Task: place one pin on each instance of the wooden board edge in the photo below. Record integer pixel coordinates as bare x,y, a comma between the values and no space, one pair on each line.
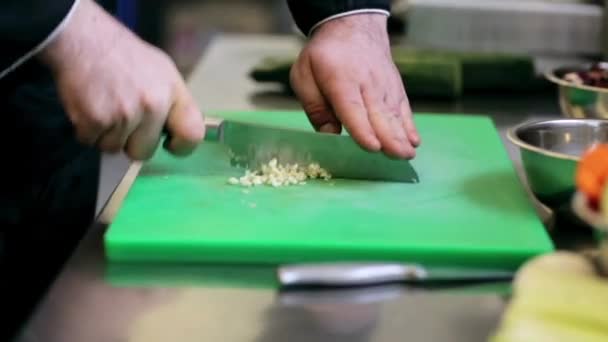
114,203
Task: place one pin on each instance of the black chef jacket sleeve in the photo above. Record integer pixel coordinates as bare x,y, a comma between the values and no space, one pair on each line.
308,14
26,26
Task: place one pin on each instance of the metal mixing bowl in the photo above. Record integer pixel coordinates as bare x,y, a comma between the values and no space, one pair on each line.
579,101
550,151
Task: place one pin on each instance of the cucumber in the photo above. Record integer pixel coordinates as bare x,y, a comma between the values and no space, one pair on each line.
430,77
273,69
436,74
486,71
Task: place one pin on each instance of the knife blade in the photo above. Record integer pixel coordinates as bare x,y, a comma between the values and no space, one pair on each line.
358,274
253,145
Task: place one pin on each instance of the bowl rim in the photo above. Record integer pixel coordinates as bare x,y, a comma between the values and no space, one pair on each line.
512,136
551,76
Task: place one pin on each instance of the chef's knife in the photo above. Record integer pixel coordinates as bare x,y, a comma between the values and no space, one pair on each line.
340,155
254,144
364,274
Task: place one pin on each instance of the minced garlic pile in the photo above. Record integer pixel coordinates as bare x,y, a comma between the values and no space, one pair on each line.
275,174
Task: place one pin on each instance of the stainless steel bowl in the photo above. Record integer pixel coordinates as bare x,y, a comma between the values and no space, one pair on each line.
550,151
579,101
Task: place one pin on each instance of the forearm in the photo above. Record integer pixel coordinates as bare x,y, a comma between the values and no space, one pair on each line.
309,14
27,26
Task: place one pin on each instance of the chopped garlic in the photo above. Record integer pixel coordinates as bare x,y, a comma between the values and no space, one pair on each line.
276,175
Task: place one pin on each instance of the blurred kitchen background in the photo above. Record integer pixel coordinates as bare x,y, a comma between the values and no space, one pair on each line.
552,29
183,28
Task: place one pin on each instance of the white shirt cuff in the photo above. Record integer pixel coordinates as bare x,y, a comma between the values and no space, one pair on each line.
43,44
344,14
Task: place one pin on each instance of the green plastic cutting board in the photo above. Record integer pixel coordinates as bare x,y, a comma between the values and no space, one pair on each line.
469,207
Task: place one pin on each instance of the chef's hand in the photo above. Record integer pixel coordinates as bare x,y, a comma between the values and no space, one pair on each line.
346,75
118,90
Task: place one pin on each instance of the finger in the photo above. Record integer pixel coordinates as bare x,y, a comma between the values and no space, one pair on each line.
115,138
345,98
387,122
185,123
87,132
91,115
317,110
144,140
406,111
408,121
86,129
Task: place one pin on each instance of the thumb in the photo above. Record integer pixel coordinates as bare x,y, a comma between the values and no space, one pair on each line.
185,124
317,110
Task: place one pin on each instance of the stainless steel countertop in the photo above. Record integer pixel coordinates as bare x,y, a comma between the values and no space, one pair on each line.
83,305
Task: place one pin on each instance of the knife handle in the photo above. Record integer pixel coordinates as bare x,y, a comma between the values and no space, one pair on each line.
210,122
348,274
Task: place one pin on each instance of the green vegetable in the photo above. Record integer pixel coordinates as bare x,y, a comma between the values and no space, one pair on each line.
273,69
437,74
430,77
484,71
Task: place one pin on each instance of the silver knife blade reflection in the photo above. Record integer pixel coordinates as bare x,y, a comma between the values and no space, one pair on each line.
357,274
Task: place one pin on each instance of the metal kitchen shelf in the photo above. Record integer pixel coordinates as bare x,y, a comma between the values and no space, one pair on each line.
562,28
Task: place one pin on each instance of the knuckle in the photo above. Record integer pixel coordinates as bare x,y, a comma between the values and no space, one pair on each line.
395,111
314,107
139,150
351,99
124,113
193,138
84,137
153,103
318,52
373,77
392,105
316,111
135,154
338,88
100,120
331,79
110,145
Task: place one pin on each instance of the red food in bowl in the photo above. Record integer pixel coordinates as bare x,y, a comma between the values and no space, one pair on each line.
592,174
596,76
